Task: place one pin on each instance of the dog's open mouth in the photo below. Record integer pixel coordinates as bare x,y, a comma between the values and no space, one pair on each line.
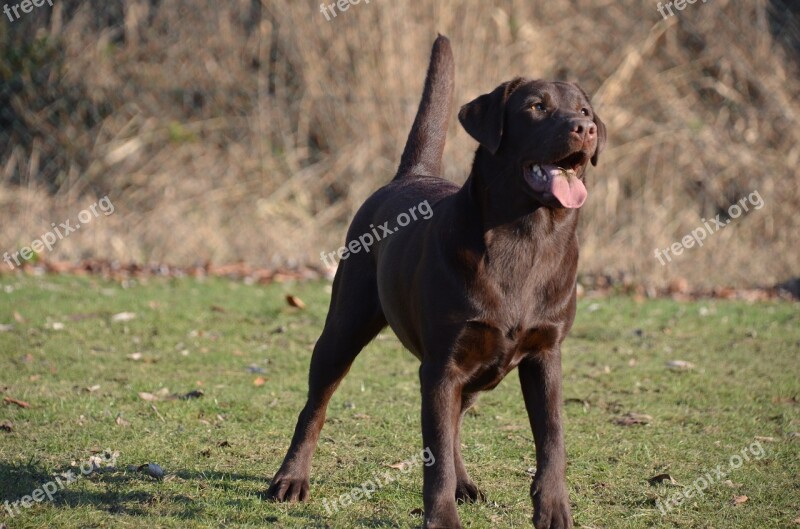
558,180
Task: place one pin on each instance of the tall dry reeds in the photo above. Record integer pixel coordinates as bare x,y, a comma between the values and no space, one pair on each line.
240,130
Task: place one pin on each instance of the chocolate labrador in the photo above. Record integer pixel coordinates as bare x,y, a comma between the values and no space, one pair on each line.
485,285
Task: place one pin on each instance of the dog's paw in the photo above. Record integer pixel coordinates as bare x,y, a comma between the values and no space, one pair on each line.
284,488
468,492
551,506
443,517
442,524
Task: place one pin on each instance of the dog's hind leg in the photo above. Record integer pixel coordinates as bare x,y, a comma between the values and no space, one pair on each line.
354,319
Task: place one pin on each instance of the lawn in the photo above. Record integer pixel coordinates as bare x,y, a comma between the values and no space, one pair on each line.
205,378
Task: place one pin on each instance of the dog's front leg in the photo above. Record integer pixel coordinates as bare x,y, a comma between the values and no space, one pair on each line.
441,407
540,376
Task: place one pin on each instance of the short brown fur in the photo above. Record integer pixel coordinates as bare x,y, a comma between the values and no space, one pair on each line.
485,286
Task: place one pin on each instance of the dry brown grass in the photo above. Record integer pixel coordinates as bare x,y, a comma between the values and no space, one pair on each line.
222,138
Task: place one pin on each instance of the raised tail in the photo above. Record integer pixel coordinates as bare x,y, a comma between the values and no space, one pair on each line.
425,144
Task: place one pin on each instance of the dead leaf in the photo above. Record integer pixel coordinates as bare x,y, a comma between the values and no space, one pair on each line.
294,301
34,378
18,317
92,389
196,394
510,428
123,316
731,484
662,478
631,419
152,469
402,465
162,394
135,356
217,308
20,403
680,365
765,439
6,327
7,426
121,422
57,326
738,500
259,381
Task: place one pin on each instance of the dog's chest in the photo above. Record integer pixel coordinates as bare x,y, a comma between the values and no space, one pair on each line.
485,353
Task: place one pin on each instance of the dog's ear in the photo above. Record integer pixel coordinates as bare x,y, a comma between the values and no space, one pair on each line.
601,138
483,117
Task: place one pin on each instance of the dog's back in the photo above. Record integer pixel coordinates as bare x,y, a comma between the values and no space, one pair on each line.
418,179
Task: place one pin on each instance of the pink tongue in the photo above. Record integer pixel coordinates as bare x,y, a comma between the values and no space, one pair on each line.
569,191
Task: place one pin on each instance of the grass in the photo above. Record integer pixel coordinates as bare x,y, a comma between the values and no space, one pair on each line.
218,450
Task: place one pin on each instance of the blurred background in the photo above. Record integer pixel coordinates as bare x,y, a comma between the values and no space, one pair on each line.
249,131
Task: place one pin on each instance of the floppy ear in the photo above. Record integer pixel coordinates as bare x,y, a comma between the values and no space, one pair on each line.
601,138
483,117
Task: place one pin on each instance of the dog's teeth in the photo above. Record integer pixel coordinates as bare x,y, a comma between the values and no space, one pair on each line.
541,173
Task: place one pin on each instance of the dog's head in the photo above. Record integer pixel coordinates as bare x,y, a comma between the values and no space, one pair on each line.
547,132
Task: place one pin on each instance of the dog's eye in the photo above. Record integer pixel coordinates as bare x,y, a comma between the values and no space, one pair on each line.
585,112
539,107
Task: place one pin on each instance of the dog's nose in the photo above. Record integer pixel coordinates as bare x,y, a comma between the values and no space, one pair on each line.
584,128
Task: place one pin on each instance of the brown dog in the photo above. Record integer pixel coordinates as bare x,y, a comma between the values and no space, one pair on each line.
484,286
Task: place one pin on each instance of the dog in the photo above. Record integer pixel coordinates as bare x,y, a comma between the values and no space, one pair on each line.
486,285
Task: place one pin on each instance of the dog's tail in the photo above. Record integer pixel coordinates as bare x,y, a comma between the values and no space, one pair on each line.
425,144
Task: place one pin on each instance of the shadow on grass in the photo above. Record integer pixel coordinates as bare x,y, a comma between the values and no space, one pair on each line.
132,493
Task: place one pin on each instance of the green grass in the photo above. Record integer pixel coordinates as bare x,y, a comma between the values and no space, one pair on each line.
219,450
